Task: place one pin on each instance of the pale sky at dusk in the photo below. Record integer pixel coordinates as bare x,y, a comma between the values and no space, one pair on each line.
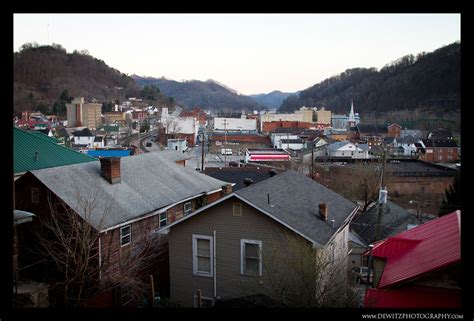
251,53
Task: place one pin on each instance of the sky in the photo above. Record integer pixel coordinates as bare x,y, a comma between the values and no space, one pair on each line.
250,53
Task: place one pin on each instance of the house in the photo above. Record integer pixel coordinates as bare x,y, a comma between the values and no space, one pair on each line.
44,135
440,134
126,200
372,134
33,151
419,268
394,219
416,133
45,131
233,247
394,130
83,137
408,145
291,144
439,151
99,142
346,148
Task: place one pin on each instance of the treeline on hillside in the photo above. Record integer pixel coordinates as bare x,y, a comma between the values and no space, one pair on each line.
205,94
427,80
45,75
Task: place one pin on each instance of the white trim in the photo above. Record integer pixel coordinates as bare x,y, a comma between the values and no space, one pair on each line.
211,255
160,220
242,257
122,236
190,208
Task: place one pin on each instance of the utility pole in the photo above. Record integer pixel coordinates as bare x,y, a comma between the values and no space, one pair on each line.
382,199
202,152
138,145
312,160
225,142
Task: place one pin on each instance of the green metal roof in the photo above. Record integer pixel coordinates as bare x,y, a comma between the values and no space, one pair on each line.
32,151
40,134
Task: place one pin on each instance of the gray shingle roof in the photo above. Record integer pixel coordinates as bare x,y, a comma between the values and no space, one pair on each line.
335,146
295,199
393,217
148,182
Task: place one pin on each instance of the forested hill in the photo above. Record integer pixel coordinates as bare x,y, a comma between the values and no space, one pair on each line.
271,100
205,94
427,80
46,76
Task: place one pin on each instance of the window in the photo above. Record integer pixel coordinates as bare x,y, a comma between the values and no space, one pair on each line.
125,235
163,219
206,302
35,195
251,257
237,209
202,255
187,208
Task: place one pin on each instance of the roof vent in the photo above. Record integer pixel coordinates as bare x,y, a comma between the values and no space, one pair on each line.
248,181
272,172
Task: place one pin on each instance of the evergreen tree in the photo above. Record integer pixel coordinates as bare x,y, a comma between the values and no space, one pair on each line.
452,198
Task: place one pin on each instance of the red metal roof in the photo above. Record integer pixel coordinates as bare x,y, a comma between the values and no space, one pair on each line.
413,297
425,248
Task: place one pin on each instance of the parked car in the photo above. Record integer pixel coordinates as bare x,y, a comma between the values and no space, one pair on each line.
148,144
359,274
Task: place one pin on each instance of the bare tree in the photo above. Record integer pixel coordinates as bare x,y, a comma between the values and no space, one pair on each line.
304,276
172,127
71,242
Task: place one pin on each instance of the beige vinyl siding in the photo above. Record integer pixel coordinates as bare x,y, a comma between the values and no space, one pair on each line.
230,230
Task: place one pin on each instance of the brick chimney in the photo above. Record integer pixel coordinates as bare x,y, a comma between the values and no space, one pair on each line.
226,189
110,169
323,211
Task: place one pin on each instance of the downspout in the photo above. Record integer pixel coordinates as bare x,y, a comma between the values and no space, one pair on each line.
214,265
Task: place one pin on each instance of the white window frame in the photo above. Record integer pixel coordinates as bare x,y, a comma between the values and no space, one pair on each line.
35,195
186,212
203,298
239,206
122,235
160,220
242,257
195,257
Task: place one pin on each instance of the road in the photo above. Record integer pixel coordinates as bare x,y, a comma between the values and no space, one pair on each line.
210,160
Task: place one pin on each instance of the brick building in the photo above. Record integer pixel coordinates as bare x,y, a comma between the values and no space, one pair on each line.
126,200
394,130
439,151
